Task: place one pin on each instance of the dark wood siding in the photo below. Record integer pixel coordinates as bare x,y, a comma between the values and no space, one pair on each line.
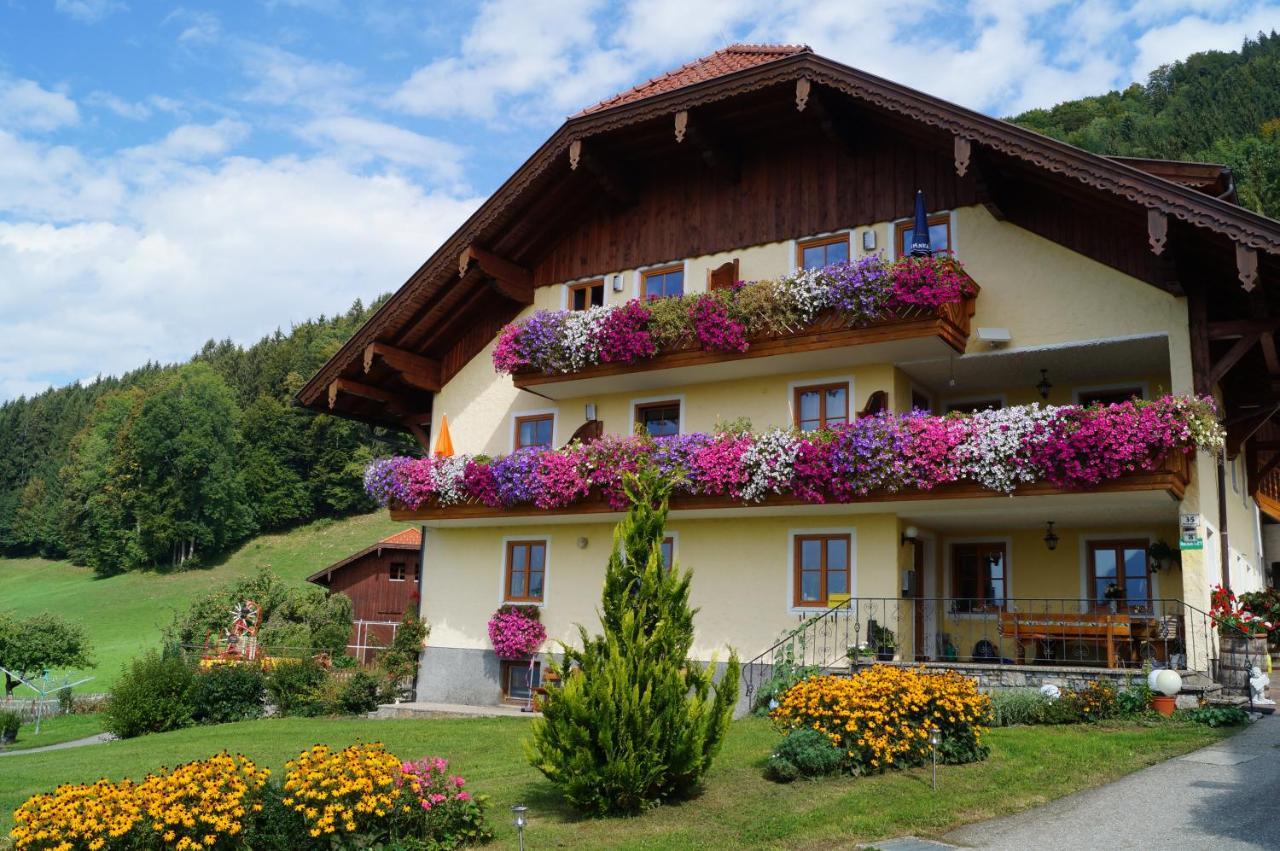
367,582
789,187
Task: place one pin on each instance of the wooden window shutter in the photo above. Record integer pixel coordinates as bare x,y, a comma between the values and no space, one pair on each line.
723,276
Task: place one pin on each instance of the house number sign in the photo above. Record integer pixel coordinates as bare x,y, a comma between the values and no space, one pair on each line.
1189,529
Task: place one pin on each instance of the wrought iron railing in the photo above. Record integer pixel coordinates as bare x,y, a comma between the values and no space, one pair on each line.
1011,631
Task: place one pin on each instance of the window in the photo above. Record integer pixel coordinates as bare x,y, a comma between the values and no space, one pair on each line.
586,295
534,430
822,568
974,406
920,402
663,282
1108,397
1124,564
939,234
396,572
668,554
526,570
823,251
519,679
659,418
821,406
980,576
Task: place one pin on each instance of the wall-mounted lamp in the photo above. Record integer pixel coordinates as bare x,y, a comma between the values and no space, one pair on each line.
869,240
617,283
591,411
582,542
1044,385
996,338
1050,536
909,535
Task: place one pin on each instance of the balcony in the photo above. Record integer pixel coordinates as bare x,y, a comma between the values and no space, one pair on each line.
912,334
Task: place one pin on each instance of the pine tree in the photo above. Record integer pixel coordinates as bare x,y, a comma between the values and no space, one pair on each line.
635,722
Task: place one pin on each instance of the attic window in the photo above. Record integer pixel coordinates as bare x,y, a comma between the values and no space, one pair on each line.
665,281
396,572
822,251
586,295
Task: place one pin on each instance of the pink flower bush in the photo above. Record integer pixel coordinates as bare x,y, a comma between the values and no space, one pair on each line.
1070,447
861,291
429,781
516,632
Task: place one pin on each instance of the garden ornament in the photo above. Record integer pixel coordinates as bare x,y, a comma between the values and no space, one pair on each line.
1050,691
1258,683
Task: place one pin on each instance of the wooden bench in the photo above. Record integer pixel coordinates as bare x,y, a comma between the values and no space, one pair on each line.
1103,627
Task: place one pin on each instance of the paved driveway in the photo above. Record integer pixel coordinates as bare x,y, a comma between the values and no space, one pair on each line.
1226,797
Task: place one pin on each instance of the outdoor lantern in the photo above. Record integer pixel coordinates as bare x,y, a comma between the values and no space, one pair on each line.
520,821
1050,537
909,535
591,411
1167,681
920,245
1044,385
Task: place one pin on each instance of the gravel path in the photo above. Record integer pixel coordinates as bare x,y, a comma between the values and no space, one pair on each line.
60,746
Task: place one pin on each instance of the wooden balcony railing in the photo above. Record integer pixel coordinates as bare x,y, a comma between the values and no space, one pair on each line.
829,330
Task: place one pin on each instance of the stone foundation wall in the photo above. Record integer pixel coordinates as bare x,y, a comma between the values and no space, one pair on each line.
1030,676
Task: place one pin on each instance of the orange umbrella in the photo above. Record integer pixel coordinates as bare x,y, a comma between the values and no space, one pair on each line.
444,443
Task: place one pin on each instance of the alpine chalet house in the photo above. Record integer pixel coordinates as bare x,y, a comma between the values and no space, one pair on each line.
937,387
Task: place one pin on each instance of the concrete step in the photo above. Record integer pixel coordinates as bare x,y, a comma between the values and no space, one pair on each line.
437,710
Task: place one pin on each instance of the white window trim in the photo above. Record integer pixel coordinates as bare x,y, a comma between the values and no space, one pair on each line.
404,566
976,397
666,397
1143,386
567,285
953,247
793,386
637,285
540,412
948,585
1087,538
796,266
789,585
546,570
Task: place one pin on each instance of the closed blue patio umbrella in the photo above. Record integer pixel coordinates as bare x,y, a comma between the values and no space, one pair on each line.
920,245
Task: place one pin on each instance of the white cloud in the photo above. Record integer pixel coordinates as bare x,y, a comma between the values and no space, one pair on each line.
134,111
198,27
361,140
1161,45
89,11
282,78
26,105
235,250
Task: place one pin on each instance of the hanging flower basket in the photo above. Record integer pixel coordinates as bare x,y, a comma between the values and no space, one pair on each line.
516,632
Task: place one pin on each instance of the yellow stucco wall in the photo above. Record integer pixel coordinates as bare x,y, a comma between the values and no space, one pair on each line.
742,576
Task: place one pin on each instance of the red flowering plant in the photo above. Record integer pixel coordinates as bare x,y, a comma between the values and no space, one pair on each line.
1233,617
516,631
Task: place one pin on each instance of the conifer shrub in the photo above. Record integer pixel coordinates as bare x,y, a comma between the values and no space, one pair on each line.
803,752
634,721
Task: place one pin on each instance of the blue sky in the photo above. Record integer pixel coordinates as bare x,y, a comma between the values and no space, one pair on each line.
171,173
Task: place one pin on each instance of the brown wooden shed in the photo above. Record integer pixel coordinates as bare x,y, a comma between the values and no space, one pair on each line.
383,582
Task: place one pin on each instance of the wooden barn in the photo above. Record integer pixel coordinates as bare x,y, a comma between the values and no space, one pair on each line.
383,582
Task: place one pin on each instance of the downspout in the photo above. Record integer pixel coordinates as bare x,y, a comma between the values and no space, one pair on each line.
422,568
1225,559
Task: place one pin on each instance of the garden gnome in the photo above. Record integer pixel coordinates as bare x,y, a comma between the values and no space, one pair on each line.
1258,683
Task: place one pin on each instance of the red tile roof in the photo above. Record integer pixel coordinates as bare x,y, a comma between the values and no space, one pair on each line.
409,537
735,57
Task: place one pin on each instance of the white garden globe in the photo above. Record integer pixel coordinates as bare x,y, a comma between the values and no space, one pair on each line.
1151,679
1167,682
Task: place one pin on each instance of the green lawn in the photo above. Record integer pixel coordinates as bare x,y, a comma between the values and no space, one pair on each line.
124,614
1028,765
61,728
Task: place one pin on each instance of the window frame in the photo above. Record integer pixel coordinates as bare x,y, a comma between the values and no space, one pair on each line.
504,679
529,416
901,227
391,571
639,405
1092,546
978,605
821,389
587,286
655,271
821,242
797,542
508,552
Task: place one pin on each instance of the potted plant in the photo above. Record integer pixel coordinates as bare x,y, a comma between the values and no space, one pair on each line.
9,724
883,641
516,631
1114,595
861,654
1160,555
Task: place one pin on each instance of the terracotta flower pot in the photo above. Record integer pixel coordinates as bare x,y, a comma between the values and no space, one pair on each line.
1164,704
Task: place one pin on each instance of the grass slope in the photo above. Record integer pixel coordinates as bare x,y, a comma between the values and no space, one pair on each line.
125,614
739,809
53,731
